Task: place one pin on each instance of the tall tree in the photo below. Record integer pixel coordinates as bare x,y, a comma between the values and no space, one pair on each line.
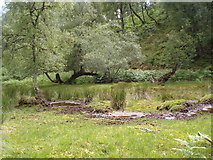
31,38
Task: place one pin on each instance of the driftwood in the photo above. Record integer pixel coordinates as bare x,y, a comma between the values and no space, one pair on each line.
165,77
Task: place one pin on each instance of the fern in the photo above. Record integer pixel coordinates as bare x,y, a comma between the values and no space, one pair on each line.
190,146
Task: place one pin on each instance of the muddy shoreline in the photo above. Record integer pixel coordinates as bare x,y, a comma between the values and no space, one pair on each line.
189,111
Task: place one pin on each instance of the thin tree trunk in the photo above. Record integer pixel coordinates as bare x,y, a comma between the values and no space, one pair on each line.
132,17
35,77
143,12
58,78
150,16
122,16
50,77
35,83
130,6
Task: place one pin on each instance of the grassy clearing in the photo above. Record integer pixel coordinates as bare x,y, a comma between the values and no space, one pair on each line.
31,134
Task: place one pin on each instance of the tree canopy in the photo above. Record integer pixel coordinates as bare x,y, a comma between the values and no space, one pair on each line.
102,38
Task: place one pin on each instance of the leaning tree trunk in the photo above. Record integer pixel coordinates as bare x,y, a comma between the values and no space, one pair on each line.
147,12
165,77
122,16
72,78
130,6
132,17
78,74
142,10
57,78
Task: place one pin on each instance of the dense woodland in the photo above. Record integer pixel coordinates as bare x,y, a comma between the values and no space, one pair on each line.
101,39
67,66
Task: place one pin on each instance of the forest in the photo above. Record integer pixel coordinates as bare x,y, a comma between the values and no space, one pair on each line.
106,80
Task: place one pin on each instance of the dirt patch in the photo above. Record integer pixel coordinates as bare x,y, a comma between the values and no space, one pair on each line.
196,107
82,110
190,110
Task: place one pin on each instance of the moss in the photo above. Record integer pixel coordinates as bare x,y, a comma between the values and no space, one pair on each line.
171,105
142,105
99,104
176,107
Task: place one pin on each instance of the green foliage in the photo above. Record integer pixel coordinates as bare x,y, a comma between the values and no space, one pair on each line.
96,47
87,35
27,50
85,80
13,90
131,75
138,75
102,50
192,147
118,96
178,48
191,75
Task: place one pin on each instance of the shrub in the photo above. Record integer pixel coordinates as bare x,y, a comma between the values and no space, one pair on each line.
190,75
131,75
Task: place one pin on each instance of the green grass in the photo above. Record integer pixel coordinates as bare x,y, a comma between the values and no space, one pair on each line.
138,95
31,134
28,133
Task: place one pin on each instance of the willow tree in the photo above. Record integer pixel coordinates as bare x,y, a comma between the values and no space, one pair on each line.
94,47
31,39
99,49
